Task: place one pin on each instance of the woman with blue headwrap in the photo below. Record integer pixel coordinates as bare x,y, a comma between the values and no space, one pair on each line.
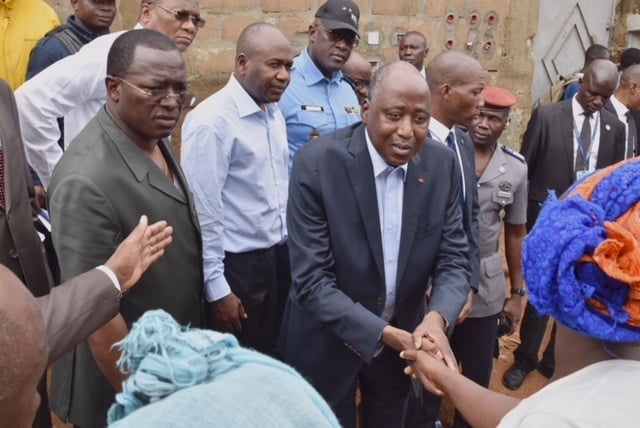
191,378
581,264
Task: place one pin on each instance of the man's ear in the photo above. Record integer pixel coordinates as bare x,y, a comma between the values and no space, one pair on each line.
113,88
241,63
145,14
364,110
313,33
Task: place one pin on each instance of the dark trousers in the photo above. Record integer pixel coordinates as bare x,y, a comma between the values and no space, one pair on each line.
252,277
473,342
383,389
532,332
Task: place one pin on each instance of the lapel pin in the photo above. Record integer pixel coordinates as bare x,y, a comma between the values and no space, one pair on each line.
421,180
607,127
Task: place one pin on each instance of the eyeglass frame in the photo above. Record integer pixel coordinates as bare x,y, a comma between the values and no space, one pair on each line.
356,83
155,93
183,16
335,37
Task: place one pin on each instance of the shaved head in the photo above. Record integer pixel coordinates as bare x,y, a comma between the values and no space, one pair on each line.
357,71
252,39
597,85
456,81
24,352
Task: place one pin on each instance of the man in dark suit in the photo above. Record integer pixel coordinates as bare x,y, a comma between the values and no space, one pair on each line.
78,307
564,141
122,165
625,104
372,215
456,82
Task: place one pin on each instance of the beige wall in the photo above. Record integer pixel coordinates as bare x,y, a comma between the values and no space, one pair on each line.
499,33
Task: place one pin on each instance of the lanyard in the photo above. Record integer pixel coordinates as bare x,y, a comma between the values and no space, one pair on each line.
585,154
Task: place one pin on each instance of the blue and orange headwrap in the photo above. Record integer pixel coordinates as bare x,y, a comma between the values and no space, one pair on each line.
581,261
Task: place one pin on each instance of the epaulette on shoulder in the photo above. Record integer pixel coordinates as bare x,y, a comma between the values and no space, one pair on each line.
508,150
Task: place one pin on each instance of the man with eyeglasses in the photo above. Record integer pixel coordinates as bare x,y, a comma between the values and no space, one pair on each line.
120,166
319,100
73,87
357,71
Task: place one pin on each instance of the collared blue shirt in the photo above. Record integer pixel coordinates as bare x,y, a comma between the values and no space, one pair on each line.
314,104
235,158
389,182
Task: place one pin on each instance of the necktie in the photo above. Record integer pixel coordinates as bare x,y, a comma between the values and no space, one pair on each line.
631,136
2,198
584,144
451,143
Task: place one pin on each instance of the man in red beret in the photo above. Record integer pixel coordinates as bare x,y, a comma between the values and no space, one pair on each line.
502,197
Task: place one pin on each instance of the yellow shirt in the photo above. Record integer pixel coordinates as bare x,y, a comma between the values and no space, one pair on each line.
22,24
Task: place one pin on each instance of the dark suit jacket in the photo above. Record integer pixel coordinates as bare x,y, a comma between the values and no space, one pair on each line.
635,115
548,150
332,322
471,207
99,189
68,320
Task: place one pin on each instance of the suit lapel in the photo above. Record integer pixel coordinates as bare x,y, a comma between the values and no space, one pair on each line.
605,148
414,188
566,134
140,164
364,187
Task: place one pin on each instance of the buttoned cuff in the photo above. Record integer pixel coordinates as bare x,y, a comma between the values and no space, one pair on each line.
216,289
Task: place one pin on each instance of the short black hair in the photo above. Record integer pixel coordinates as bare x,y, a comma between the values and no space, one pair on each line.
594,52
123,49
629,57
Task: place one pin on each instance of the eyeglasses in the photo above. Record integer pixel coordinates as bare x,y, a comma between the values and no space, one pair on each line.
356,83
347,36
157,96
184,16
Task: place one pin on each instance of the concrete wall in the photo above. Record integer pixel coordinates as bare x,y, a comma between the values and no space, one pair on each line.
499,33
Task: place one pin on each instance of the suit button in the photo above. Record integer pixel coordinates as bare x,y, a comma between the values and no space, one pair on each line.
380,301
13,253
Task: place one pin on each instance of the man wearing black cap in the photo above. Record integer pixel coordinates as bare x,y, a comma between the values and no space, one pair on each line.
319,100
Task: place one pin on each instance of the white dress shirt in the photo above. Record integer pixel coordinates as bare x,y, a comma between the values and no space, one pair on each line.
621,112
73,88
235,157
439,132
578,120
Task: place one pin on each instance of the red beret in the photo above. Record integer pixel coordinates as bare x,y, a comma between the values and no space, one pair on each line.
498,98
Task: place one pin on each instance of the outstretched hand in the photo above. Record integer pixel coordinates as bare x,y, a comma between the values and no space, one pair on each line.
144,245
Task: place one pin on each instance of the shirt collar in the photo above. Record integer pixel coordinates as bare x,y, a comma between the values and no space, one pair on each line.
578,110
311,73
245,104
79,27
618,106
439,131
378,163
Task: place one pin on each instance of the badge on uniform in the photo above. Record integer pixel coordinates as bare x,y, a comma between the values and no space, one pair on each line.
505,186
352,110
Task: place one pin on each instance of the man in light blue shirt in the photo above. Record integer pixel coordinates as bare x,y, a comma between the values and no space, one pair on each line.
319,99
234,154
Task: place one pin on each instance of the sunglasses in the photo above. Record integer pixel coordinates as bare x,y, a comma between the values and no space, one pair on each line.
184,16
348,37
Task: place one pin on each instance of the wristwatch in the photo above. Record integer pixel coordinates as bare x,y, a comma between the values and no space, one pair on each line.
519,291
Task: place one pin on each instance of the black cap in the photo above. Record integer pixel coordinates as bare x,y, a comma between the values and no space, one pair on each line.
339,15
